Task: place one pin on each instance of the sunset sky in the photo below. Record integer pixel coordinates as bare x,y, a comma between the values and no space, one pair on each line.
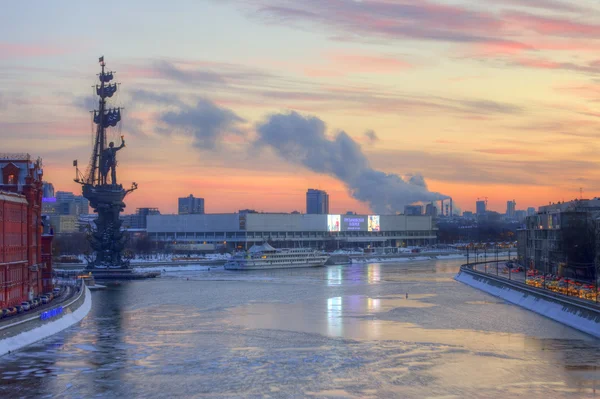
483,98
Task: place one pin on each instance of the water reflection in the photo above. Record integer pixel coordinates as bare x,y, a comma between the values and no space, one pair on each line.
334,317
374,273
373,304
334,275
100,344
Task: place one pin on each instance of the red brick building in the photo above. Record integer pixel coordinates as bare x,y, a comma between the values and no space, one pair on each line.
25,253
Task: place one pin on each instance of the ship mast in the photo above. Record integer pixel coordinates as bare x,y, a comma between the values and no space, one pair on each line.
104,118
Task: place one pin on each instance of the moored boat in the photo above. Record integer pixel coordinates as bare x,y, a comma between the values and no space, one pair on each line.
264,256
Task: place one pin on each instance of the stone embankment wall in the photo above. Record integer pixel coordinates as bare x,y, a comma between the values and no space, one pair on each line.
26,331
577,313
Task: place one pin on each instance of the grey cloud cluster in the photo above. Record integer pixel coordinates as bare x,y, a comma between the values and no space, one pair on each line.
206,122
303,140
371,136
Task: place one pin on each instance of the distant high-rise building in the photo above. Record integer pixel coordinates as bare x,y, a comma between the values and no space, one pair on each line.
430,210
64,224
65,203
48,190
530,211
139,219
317,202
480,208
191,205
413,210
520,215
510,208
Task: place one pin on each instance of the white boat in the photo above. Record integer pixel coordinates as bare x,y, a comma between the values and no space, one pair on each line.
264,256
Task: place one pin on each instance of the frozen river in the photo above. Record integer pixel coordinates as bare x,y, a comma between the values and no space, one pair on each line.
334,332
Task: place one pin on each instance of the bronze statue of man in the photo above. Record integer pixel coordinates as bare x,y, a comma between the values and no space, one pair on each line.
109,161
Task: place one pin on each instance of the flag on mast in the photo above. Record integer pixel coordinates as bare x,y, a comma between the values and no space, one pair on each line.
101,59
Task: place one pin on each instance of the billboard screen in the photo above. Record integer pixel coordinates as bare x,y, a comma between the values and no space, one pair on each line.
354,223
374,223
333,223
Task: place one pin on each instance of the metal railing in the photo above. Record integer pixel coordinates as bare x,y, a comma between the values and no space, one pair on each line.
588,305
36,316
565,287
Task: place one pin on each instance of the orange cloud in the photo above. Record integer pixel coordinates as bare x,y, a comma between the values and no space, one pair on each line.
345,64
508,151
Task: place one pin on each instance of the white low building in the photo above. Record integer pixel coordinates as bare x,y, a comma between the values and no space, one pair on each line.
239,230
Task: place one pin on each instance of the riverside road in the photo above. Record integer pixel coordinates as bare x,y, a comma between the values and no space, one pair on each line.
331,332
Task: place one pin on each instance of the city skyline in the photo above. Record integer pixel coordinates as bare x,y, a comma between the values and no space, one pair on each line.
495,99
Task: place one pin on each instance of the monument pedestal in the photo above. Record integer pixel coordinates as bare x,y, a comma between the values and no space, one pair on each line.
119,274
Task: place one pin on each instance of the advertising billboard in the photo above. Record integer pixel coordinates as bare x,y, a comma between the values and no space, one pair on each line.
354,223
374,223
333,223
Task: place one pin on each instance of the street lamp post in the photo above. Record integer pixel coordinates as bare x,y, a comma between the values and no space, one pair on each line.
596,274
509,265
496,248
545,271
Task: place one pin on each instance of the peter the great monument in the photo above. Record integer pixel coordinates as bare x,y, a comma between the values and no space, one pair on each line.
101,188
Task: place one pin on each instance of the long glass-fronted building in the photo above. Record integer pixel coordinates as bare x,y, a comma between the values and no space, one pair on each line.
239,230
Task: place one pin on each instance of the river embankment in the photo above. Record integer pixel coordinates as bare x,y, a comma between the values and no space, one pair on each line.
576,313
29,328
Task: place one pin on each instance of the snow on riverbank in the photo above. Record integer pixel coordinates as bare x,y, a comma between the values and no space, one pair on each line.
182,268
571,315
375,259
169,258
37,334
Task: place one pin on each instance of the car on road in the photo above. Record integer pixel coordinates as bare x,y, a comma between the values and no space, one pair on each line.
45,299
56,291
26,306
19,309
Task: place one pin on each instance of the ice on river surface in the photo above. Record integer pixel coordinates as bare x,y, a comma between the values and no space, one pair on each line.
331,332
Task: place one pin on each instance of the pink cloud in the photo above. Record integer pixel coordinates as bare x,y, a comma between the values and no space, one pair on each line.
538,63
586,90
322,73
505,47
14,50
484,32
552,26
366,63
